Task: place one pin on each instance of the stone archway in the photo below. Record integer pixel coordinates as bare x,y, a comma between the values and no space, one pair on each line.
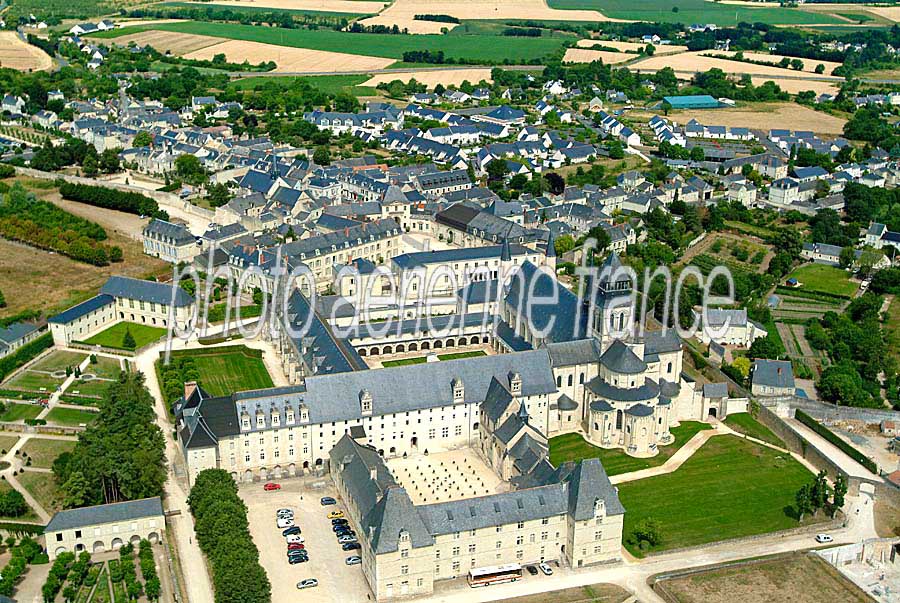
98,547
438,345
248,476
473,340
450,343
373,352
413,347
387,350
400,348
362,352
135,540
60,550
153,537
426,346
117,543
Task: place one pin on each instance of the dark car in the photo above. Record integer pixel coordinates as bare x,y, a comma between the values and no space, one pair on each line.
290,531
351,546
339,522
349,534
342,529
532,570
327,500
298,554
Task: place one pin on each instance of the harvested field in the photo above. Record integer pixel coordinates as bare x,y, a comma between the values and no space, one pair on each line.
799,578
693,62
143,22
792,86
401,12
632,46
169,42
586,55
762,115
289,59
447,77
19,55
326,6
809,65
891,13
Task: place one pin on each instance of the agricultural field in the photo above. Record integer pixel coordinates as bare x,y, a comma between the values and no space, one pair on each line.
431,79
821,278
175,43
798,578
17,54
632,47
729,488
66,9
230,369
587,55
693,62
290,60
762,116
697,11
573,447
342,7
735,252
113,336
486,48
809,65
330,84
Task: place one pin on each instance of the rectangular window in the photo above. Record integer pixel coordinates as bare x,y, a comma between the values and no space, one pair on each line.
471,548
404,570
404,553
455,551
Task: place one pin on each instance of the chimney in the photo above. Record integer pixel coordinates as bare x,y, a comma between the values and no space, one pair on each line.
373,474
189,388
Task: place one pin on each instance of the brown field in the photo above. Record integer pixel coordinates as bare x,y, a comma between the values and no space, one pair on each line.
169,41
586,55
41,280
446,77
693,62
632,46
401,12
794,86
762,116
801,578
594,593
809,65
19,55
289,59
329,6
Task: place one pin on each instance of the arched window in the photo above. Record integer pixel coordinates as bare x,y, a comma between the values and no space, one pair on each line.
618,419
559,381
581,379
669,368
570,380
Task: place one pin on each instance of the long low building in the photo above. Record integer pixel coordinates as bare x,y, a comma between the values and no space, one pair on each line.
105,527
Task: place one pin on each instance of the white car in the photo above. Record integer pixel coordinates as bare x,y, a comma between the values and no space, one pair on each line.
548,571
824,538
308,583
285,522
295,539
285,511
285,515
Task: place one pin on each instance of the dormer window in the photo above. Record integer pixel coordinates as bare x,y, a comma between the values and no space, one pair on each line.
245,422
289,416
458,391
404,536
599,507
276,418
515,383
260,419
365,402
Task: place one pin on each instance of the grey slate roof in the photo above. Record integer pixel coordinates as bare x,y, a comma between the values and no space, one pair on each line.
715,390
773,373
648,391
82,309
148,291
619,358
91,516
570,353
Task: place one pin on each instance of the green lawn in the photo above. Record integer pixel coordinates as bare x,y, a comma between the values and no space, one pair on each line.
113,336
404,361
230,369
106,368
457,355
487,48
70,416
422,359
743,422
59,360
728,489
34,382
20,412
43,488
7,442
43,451
330,84
573,447
695,11
94,387
825,279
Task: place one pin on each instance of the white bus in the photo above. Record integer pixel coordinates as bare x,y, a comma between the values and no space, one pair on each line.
485,576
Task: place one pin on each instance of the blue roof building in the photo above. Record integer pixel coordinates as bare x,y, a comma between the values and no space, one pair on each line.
693,101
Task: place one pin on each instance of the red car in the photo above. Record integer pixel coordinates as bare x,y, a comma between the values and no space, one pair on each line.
271,486
296,546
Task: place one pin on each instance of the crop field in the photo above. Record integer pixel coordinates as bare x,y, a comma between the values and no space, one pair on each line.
587,55
21,56
697,11
65,9
809,65
632,46
729,488
476,47
761,116
692,62
167,42
445,77
289,59
342,7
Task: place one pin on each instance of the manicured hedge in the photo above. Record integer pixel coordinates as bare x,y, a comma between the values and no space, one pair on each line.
832,437
132,203
800,292
24,354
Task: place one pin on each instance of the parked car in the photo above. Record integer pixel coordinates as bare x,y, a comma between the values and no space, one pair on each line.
296,560
295,538
271,486
296,546
824,538
346,539
341,527
308,583
298,553
284,514
351,546
285,510
354,560
340,521
291,531
284,523
548,571
336,515
327,500
532,570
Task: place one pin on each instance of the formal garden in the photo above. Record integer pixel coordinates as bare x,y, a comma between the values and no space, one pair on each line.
127,336
221,371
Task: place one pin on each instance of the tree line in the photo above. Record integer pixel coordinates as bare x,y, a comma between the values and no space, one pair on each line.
98,196
222,530
121,455
44,225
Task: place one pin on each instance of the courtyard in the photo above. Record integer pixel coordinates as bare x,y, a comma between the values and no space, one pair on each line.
228,369
416,357
114,336
445,476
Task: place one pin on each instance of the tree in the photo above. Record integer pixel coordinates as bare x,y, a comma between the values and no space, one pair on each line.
697,154
616,150
764,347
847,257
820,68
555,183
109,161
89,167
818,492
839,491
563,244
647,533
742,364
128,341
322,156
803,502
797,64
142,139
218,194
496,169
189,169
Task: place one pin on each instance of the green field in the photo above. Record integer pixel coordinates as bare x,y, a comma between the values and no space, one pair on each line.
744,423
7,442
70,416
497,49
58,360
43,451
43,488
253,10
573,447
330,84
94,387
34,382
105,368
729,488
695,11
20,412
113,336
825,279
230,369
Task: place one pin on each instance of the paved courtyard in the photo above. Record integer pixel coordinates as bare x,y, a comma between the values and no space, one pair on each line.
445,476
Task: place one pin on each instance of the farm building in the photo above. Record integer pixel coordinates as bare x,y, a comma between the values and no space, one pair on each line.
695,101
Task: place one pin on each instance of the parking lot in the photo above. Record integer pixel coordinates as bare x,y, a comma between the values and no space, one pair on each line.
337,581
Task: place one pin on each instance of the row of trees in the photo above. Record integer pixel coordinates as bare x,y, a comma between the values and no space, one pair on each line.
44,225
121,455
99,196
813,497
24,354
25,552
221,526
148,570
